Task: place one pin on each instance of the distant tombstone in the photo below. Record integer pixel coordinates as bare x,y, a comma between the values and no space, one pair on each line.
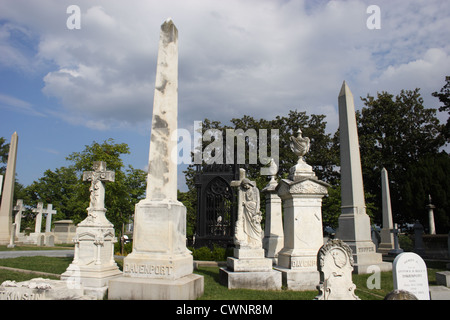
419,246
410,273
19,207
50,240
397,250
40,240
335,264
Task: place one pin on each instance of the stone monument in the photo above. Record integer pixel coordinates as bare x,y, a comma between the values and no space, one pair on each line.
93,264
430,207
354,223
248,268
6,207
302,195
410,274
160,266
19,207
273,232
48,220
387,238
335,264
397,250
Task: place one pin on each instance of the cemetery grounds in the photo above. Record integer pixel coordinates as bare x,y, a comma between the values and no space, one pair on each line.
367,287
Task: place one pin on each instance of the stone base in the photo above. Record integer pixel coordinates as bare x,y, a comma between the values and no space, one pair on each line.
91,277
189,287
443,278
298,280
439,293
268,280
249,265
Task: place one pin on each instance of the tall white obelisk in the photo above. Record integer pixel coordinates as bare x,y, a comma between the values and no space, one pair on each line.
160,266
7,198
354,223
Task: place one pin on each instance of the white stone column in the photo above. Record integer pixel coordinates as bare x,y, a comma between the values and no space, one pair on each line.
273,232
6,207
387,237
354,223
160,266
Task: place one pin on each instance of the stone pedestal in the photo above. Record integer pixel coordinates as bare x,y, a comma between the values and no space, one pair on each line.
273,232
93,265
249,269
303,232
160,266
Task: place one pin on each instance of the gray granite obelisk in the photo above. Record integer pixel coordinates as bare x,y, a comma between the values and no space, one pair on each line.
7,204
354,223
160,266
387,237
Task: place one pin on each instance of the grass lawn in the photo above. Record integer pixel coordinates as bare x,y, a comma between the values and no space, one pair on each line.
213,289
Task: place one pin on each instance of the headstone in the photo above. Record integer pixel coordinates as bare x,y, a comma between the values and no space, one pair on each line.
6,207
397,250
160,265
49,240
40,240
354,223
48,221
248,268
335,264
18,218
387,238
38,222
273,231
302,195
93,261
419,246
410,273
430,208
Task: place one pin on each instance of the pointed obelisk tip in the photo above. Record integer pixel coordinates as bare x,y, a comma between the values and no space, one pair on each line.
344,89
169,28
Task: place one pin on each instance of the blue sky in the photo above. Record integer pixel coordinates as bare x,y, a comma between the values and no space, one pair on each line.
62,89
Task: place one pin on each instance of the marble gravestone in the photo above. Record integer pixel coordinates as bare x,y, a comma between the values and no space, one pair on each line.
273,232
335,264
7,198
354,223
160,267
387,237
248,268
93,264
302,195
410,274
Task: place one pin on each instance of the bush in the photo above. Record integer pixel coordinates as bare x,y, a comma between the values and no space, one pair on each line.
202,254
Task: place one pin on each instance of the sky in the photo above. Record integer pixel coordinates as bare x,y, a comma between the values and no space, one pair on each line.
67,80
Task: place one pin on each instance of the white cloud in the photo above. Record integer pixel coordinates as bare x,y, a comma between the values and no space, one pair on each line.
237,57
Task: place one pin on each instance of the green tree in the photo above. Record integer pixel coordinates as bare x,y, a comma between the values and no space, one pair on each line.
444,98
4,151
395,133
69,195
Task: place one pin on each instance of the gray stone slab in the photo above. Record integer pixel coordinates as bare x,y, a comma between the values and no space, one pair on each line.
268,280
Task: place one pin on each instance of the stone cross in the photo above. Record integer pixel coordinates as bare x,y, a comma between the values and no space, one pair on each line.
18,218
6,207
97,189
48,222
39,210
397,250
